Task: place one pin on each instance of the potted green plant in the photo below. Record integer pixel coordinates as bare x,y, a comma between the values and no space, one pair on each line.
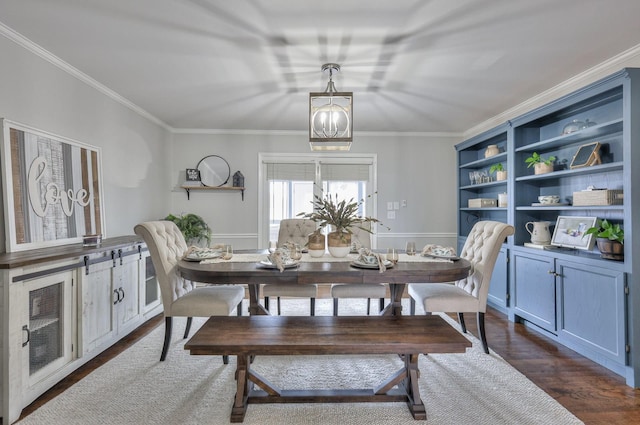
193,227
498,169
539,163
341,216
610,239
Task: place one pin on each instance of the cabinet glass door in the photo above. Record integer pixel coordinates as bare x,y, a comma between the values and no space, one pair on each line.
48,324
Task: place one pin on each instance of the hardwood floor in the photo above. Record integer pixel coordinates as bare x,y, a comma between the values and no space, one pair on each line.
589,391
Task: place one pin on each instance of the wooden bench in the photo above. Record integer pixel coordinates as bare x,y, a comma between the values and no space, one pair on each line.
250,336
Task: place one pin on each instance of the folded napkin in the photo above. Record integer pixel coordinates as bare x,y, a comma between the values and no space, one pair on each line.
367,256
280,257
438,250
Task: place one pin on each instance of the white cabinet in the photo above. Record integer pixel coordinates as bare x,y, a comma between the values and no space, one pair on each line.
110,300
62,306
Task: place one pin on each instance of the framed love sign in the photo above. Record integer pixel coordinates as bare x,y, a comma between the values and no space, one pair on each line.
52,188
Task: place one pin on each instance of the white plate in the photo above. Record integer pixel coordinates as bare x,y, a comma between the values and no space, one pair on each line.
202,255
554,204
445,257
269,265
362,265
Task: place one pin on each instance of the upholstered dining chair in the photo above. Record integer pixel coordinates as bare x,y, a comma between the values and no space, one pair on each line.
294,230
468,295
181,297
359,290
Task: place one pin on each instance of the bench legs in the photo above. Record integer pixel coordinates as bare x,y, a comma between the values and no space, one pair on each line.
400,386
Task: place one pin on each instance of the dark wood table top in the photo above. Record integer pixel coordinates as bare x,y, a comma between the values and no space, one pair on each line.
324,272
314,335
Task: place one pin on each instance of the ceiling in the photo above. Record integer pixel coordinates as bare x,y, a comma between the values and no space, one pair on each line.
414,66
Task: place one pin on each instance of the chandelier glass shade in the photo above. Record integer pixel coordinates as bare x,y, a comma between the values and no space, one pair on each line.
330,116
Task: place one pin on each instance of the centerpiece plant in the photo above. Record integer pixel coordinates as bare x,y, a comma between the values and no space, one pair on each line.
340,216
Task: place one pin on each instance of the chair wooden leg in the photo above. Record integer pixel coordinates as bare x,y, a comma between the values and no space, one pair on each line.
239,310
266,303
462,325
335,306
225,359
381,305
167,337
188,327
313,306
279,306
412,307
368,306
481,332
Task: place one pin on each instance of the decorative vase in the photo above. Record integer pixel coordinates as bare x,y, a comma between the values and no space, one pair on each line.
492,150
542,168
539,232
501,175
316,244
339,244
611,250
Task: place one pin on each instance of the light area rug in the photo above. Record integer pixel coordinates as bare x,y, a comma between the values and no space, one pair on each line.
136,388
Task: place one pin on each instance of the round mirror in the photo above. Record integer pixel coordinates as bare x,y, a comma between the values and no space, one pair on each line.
214,171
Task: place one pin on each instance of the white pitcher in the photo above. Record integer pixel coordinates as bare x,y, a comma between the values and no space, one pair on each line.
540,234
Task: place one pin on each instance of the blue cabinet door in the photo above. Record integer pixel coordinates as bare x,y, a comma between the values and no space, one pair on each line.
534,297
592,310
498,289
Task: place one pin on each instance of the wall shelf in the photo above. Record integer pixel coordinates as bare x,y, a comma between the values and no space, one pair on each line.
188,189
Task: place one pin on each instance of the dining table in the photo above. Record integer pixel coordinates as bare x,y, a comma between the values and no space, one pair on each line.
250,268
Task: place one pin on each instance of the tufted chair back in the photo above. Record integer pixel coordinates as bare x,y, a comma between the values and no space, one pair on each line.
295,230
361,236
167,246
481,249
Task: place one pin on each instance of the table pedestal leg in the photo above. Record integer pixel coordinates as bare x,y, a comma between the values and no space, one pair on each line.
394,308
255,308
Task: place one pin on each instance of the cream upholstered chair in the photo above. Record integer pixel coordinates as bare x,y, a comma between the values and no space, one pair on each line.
294,230
181,297
358,290
468,295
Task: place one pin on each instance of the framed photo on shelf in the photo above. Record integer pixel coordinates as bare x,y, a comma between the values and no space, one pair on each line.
569,232
193,175
586,156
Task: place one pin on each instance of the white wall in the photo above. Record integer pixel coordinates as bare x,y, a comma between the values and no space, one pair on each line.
419,170
37,93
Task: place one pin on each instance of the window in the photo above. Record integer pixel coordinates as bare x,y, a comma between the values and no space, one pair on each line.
289,185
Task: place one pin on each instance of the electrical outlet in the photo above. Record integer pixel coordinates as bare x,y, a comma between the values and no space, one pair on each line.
391,215
404,203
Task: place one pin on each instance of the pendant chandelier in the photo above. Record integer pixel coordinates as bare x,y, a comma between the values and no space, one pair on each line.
330,116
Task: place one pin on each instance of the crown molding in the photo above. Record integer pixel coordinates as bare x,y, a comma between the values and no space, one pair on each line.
235,132
630,57
38,50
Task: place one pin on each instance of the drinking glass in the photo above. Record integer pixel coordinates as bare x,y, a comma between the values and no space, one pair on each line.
296,252
411,248
272,246
392,255
227,252
472,177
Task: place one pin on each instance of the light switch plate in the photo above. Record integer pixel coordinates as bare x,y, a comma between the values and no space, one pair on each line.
389,206
396,205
